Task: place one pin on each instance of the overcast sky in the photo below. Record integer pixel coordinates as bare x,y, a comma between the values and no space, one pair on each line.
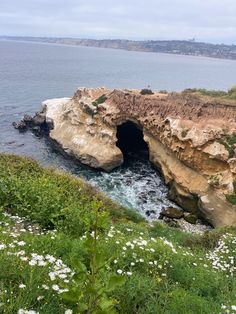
205,20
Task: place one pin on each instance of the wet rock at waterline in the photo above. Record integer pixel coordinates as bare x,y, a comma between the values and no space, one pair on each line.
191,218
28,120
37,131
171,222
186,136
173,215
20,126
172,212
150,213
37,124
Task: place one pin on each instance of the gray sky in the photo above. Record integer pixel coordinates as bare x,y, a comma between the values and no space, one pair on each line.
206,20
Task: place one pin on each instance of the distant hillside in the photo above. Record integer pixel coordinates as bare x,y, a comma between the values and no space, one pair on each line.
162,46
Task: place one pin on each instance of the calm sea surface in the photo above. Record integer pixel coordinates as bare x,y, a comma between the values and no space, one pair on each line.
33,72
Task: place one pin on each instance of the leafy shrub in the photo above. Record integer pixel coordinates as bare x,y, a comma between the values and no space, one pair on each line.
146,91
90,289
232,92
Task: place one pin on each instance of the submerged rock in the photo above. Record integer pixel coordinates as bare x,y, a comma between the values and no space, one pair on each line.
20,126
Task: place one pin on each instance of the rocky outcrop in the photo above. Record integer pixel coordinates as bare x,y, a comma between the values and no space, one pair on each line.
191,139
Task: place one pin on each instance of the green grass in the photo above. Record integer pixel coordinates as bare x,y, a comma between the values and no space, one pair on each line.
230,94
166,270
51,198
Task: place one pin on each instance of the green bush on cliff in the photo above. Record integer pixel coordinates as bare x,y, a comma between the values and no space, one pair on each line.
99,100
230,94
229,141
64,246
205,92
146,91
232,197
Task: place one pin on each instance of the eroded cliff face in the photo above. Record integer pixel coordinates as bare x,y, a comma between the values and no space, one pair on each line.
190,139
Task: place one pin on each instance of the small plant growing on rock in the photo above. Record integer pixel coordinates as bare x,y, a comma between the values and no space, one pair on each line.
229,142
184,132
214,180
232,197
100,100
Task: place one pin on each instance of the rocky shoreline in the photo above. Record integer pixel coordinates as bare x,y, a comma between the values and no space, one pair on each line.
190,139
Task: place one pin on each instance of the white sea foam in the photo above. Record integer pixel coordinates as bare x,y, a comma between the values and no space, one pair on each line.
136,185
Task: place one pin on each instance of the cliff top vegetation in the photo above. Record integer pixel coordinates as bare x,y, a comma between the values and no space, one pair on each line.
66,248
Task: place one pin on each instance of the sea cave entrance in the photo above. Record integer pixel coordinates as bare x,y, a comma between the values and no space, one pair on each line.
130,141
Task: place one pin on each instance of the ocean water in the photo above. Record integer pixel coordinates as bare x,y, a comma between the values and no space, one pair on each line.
33,72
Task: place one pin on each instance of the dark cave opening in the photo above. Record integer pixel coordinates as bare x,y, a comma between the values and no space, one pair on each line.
130,140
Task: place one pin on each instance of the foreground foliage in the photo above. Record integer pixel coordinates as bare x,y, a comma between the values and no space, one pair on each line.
65,248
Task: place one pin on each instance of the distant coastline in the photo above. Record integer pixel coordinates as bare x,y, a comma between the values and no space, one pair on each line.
177,47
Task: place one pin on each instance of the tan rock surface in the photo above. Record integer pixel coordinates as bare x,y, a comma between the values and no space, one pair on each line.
185,135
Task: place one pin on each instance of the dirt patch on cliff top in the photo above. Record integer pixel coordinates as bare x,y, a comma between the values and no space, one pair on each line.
174,105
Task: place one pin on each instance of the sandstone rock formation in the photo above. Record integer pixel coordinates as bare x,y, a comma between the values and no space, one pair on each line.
191,139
